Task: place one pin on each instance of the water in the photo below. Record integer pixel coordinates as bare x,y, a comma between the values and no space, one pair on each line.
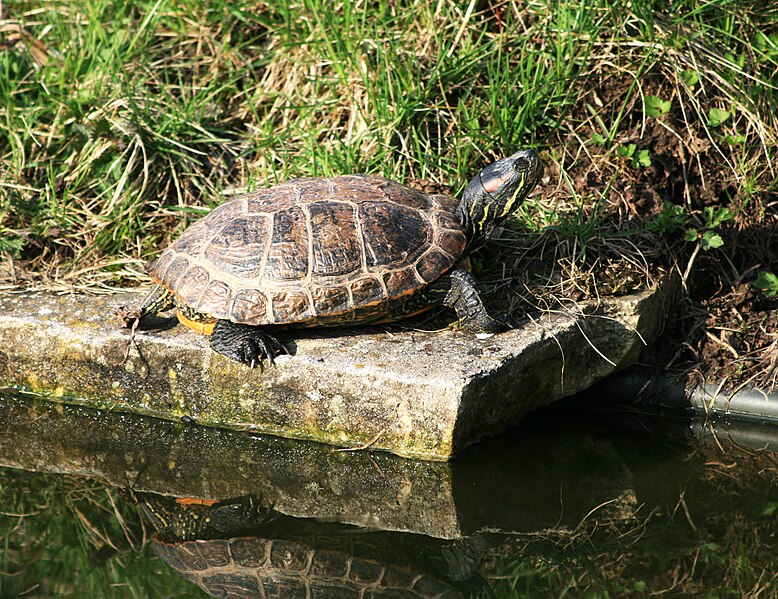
579,501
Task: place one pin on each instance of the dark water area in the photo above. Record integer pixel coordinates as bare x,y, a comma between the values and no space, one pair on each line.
585,499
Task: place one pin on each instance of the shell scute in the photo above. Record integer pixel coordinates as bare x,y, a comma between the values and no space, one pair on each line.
393,234
356,189
192,241
229,584
239,246
432,264
175,271
365,572
400,194
445,204
287,258
249,552
290,557
217,293
173,555
291,306
189,557
249,306
448,221
328,564
192,284
269,200
401,282
330,299
453,242
311,190
294,588
336,249
217,218
158,268
215,552
367,290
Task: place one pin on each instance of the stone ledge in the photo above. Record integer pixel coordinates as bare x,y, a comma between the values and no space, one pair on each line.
418,394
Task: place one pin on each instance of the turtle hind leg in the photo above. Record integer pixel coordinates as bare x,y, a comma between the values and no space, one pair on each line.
458,291
245,343
158,300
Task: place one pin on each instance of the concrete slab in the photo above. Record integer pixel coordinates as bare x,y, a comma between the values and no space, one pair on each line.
419,394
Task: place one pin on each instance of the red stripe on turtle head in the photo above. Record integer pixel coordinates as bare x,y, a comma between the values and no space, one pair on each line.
493,184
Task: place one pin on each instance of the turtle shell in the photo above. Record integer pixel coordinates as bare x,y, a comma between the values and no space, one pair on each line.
313,251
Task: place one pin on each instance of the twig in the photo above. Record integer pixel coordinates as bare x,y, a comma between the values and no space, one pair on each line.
367,445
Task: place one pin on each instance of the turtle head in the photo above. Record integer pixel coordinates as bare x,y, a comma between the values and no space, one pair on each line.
497,191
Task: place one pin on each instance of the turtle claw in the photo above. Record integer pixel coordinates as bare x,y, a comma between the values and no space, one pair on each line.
259,347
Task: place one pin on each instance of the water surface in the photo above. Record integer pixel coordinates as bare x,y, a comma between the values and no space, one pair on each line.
578,501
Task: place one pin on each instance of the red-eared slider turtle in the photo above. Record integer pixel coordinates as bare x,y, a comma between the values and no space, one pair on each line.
348,250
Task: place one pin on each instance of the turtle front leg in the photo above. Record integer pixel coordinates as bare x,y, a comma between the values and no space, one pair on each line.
458,291
245,343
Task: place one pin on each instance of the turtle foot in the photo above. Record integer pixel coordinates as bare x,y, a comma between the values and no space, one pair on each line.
481,324
244,343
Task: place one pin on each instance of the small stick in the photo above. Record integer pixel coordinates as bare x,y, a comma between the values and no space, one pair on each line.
130,341
367,445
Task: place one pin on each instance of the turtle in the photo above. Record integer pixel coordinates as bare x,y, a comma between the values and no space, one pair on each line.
332,252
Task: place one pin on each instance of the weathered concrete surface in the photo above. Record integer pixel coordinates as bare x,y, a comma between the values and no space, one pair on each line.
420,394
523,483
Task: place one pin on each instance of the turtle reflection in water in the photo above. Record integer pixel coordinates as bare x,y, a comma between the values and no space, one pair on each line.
237,549
316,252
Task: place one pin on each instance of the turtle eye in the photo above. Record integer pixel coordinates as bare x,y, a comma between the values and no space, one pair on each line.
520,164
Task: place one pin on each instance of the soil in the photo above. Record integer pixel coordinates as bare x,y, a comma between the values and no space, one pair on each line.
725,330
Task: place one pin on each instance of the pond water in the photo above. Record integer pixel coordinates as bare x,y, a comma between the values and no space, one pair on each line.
584,499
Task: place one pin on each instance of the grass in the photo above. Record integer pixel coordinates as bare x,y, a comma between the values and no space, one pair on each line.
121,122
